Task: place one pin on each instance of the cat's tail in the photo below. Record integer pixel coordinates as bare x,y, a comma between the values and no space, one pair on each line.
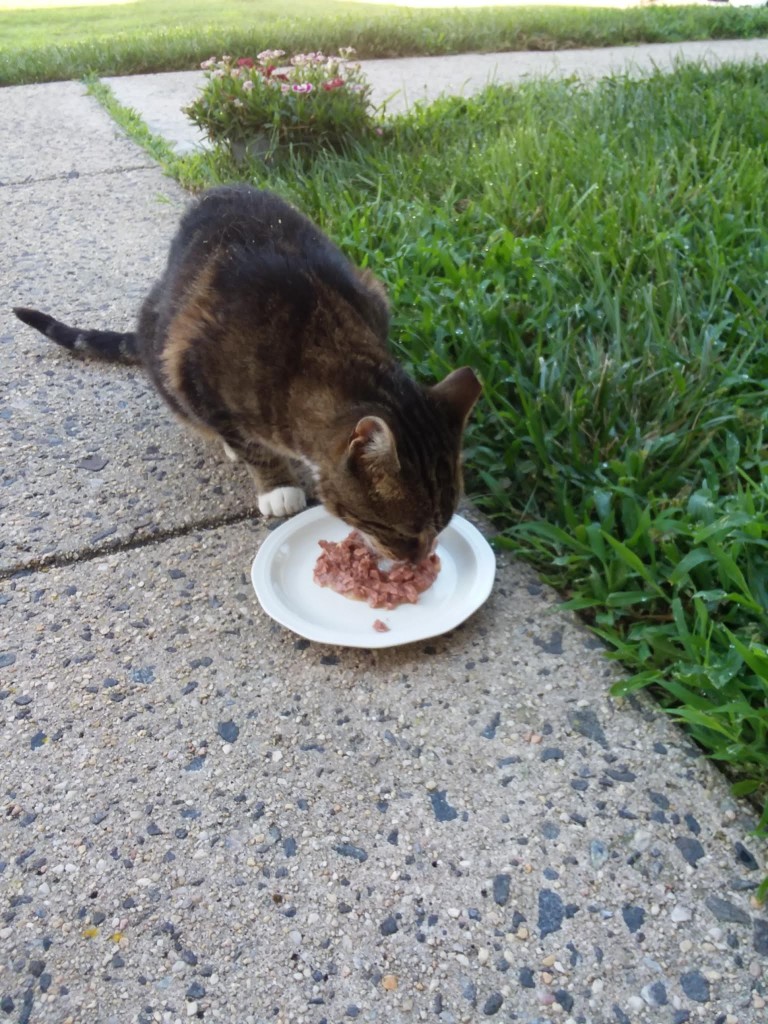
110,345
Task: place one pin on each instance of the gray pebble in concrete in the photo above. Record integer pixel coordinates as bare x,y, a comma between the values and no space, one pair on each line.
695,986
552,754
691,849
228,731
564,998
443,810
501,884
724,910
489,732
350,850
760,936
551,912
493,1004
526,978
655,994
745,857
585,721
389,926
633,917
598,853
94,463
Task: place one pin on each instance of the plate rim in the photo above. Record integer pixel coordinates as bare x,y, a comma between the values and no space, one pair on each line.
280,612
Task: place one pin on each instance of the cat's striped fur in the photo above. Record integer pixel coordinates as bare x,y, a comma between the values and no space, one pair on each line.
261,333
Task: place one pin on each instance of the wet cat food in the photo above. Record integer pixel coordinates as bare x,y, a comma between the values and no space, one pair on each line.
350,568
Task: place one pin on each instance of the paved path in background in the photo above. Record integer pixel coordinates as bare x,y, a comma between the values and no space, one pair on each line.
159,99
204,817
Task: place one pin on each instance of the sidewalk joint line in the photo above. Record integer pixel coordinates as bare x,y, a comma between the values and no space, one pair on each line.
62,560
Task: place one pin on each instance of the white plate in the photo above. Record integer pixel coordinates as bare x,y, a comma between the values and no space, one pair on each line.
282,578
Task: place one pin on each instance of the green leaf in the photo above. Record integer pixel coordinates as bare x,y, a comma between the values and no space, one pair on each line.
694,558
756,657
636,682
579,603
631,559
627,598
745,787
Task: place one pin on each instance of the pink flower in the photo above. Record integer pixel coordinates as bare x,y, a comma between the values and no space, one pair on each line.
247,86
335,83
302,87
246,62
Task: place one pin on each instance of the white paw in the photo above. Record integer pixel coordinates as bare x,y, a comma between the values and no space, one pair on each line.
283,501
230,453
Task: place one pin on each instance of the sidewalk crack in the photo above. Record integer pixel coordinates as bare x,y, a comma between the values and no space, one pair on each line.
63,559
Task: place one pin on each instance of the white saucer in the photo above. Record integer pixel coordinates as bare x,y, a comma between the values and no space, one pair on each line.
282,578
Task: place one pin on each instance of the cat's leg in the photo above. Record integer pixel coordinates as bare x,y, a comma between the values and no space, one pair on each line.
276,485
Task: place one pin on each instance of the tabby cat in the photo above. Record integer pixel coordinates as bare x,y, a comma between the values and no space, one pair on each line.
261,333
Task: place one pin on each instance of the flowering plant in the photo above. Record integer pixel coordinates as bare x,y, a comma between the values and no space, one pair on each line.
265,102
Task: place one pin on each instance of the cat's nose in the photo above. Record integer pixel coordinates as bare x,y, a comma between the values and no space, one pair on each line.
414,550
386,551
404,551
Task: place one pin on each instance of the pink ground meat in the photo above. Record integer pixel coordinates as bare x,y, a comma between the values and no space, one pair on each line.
350,568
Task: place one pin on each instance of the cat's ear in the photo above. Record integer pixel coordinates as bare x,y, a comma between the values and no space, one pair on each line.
373,284
458,392
375,309
372,447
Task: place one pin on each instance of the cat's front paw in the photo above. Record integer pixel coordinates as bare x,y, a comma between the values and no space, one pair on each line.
282,501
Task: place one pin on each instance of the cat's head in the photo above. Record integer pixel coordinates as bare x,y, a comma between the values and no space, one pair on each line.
398,479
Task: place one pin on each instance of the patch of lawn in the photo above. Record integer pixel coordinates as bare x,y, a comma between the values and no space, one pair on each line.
600,256
73,42
65,26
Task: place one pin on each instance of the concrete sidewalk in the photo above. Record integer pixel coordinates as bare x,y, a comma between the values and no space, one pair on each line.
205,817
159,99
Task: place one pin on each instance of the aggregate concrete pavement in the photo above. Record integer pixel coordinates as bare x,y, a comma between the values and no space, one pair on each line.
87,226
205,817
401,83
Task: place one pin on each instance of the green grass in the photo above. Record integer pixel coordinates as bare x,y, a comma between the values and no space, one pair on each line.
145,36
600,256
